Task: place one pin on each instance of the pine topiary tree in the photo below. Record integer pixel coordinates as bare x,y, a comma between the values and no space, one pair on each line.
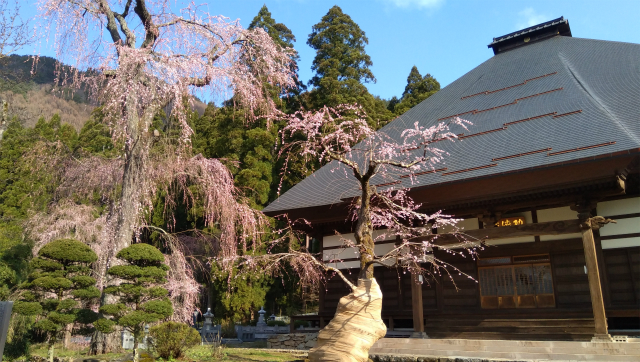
141,299
59,288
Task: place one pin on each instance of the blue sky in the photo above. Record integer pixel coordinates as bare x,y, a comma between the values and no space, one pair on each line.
445,38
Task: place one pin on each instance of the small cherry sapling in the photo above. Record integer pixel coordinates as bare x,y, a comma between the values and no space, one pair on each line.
376,165
141,298
60,289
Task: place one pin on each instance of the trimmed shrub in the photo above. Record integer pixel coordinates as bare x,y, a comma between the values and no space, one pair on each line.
142,299
59,289
172,339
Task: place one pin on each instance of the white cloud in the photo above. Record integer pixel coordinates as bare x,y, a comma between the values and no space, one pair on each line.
529,17
420,4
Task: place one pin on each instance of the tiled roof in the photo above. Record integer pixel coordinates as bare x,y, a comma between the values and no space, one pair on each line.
545,103
548,24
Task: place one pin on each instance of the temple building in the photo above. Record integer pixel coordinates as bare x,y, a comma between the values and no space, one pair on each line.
554,142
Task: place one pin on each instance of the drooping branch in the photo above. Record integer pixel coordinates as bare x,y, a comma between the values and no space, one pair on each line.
305,265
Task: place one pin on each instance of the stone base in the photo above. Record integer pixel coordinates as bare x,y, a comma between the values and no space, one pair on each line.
422,335
293,341
602,338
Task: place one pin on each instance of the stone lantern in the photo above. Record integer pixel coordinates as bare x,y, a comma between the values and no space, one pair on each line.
208,320
261,321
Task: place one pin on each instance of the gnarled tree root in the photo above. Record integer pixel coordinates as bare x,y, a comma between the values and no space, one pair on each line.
356,326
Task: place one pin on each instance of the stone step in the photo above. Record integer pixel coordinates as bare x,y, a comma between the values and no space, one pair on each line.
478,342
531,329
582,322
488,335
510,346
594,350
509,356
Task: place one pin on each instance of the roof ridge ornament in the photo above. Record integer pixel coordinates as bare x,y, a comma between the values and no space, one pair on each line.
532,34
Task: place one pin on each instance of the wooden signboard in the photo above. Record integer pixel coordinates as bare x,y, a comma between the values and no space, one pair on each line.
510,221
5,317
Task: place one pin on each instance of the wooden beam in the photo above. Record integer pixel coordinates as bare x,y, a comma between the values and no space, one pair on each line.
416,303
543,228
595,288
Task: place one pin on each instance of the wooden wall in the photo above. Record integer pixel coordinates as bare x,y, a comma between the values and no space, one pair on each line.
623,274
571,283
455,293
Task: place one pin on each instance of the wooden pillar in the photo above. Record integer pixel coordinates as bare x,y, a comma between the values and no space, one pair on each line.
597,301
417,306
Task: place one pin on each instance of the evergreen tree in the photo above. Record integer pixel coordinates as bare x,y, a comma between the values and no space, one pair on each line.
59,288
342,66
141,299
279,32
418,89
235,298
23,190
246,149
95,137
282,36
392,103
20,188
15,253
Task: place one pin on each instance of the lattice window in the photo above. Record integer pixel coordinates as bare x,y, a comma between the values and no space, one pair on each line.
525,280
517,285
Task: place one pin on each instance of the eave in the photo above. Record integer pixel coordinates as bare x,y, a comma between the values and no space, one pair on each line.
548,186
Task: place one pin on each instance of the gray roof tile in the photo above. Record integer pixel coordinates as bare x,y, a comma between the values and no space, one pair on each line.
600,78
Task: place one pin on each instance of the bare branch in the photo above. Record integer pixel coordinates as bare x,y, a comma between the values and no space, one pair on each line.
130,36
111,21
14,32
151,31
126,9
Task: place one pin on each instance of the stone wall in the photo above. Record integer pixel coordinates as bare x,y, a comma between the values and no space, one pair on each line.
293,341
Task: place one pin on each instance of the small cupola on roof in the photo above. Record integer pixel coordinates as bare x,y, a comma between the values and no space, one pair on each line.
532,34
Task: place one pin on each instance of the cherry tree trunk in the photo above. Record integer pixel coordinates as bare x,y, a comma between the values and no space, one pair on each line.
134,180
127,213
356,326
